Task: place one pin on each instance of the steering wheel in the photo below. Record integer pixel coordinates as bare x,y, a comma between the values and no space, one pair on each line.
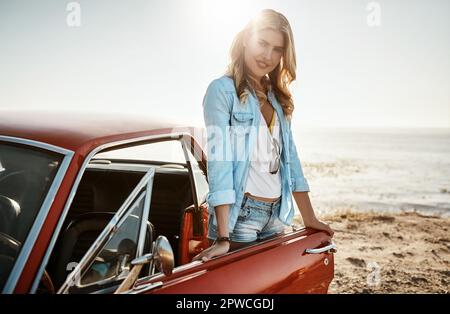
9,248
10,244
9,211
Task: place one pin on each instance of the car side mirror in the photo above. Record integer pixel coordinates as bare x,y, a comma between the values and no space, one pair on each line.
162,256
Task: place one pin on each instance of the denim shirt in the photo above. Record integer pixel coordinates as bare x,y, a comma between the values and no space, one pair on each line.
231,131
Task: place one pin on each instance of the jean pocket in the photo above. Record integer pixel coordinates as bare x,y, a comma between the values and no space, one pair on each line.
245,212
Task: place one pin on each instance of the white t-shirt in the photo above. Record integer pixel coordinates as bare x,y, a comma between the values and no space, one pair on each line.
260,181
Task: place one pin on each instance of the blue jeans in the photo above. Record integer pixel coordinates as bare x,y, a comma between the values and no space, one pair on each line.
257,220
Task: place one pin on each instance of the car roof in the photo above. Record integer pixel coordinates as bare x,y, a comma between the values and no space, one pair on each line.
76,130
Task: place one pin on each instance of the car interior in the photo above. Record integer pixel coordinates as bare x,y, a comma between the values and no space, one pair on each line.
22,169
104,187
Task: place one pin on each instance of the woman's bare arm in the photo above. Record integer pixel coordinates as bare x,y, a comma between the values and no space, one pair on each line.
222,247
222,220
309,217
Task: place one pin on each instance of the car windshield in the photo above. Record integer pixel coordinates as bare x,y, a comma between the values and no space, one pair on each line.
26,174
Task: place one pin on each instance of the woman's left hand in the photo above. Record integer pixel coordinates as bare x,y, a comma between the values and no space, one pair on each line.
318,225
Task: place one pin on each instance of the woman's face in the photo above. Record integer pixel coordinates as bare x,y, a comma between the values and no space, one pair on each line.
263,51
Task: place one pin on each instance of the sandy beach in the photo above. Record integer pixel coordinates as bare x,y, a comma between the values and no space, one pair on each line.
386,193
390,253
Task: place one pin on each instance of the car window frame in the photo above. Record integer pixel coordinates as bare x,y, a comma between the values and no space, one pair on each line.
108,232
41,217
189,148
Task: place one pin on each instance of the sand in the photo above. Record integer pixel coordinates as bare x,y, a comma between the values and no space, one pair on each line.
390,253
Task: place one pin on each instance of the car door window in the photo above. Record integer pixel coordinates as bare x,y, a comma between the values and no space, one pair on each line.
168,151
108,260
113,261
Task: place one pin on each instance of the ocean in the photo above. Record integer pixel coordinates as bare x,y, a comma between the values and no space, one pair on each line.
378,170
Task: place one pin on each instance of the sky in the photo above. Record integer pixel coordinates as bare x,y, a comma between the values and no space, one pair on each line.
158,57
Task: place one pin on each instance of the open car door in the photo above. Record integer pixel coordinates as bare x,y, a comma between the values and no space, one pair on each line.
300,261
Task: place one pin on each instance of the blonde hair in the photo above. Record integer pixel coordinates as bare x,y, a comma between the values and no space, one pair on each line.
279,79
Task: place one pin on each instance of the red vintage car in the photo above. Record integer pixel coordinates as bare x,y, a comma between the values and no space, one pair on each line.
104,203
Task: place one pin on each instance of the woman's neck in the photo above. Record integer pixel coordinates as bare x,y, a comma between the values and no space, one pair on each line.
261,85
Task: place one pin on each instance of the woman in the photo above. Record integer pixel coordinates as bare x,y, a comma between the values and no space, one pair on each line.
253,166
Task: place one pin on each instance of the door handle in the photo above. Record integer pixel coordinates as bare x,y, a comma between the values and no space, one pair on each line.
330,248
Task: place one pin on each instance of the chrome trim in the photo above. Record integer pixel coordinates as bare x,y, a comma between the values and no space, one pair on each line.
144,259
330,247
34,143
138,290
296,227
170,136
29,242
191,174
108,232
145,216
141,281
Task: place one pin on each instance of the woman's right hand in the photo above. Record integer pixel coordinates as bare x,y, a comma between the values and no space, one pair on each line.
218,248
